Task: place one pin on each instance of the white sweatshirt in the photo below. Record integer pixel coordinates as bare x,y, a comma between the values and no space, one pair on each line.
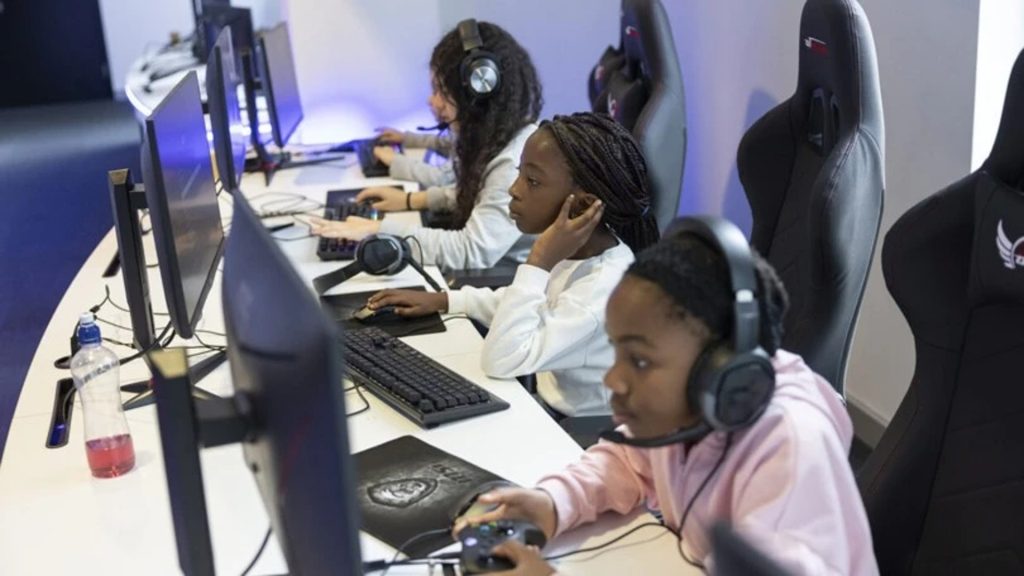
428,175
551,324
489,233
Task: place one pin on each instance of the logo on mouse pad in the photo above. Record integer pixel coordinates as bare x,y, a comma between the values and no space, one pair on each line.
402,493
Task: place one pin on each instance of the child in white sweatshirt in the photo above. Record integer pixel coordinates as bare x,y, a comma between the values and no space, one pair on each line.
582,187
489,137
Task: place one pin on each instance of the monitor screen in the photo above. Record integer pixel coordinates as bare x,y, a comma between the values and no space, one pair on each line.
182,200
286,362
280,86
230,135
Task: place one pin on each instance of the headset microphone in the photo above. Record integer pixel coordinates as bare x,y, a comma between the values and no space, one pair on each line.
682,435
440,127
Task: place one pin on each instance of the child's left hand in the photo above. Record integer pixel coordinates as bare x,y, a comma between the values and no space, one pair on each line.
566,235
527,559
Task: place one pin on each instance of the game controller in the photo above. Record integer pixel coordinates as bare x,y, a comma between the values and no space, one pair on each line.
479,541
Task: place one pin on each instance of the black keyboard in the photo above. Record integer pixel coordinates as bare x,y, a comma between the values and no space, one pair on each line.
340,205
419,388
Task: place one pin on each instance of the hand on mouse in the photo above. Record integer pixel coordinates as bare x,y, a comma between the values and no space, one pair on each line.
386,154
391,199
352,228
566,235
527,559
389,135
410,302
534,506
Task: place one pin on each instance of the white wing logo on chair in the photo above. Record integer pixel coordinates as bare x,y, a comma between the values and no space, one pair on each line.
1012,253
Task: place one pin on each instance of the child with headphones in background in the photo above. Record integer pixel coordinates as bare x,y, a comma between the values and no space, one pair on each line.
402,167
583,188
492,99
715,421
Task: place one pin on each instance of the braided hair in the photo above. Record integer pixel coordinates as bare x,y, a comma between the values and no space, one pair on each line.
696,277
486,125
606,161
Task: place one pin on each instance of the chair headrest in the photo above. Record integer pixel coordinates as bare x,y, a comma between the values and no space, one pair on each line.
997,254
646,60
837,83
597,85
1006,161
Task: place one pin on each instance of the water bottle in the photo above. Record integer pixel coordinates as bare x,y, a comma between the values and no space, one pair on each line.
108,443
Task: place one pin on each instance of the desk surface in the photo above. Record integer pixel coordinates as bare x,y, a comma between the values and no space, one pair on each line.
56,518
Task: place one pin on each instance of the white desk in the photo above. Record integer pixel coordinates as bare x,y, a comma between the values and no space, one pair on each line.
56,519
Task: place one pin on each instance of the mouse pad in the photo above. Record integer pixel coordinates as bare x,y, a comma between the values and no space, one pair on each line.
407,487
342,306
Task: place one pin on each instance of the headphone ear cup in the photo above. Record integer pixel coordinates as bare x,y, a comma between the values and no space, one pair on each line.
381,254
746,384
704,380
480,73
730,391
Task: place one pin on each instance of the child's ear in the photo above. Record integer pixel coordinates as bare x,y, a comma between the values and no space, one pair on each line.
581,202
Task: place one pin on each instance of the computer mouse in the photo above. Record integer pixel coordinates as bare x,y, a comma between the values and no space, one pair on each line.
381,315
468,505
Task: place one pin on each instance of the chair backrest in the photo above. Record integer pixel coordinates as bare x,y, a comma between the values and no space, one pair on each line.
944,489
640,85
813,172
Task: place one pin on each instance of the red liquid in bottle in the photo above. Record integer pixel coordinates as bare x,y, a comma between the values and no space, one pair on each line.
110,457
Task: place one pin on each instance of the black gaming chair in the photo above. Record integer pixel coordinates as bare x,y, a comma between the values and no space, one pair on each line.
640,85
944,489
813,171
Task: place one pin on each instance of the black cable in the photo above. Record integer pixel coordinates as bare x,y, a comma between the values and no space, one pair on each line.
219,348
366,405
156,343
418,245
398,552
686,512
259,552
610,542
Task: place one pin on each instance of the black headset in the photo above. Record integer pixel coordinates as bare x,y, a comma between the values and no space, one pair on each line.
479,69
732,381
377,255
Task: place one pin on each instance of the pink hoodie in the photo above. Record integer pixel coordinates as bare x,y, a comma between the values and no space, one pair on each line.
785,483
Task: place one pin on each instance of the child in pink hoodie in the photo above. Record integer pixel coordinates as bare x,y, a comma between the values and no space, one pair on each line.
783,482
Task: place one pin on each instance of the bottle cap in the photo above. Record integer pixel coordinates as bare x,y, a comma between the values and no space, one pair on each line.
88,331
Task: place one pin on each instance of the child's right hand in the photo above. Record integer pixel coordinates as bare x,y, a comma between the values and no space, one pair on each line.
410,303
534,506
389,135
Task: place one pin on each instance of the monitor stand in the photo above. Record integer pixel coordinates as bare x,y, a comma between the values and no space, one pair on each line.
128,199
265,161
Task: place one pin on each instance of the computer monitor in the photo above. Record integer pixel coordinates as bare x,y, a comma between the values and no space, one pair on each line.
200,45
285,355
288,411
280,86
230,135
220,16
182,200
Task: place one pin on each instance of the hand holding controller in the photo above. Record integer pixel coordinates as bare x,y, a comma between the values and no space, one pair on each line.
479,541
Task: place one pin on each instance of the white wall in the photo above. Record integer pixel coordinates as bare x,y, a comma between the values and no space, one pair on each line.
1000,39
132,28
738,59
926,59
370,58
